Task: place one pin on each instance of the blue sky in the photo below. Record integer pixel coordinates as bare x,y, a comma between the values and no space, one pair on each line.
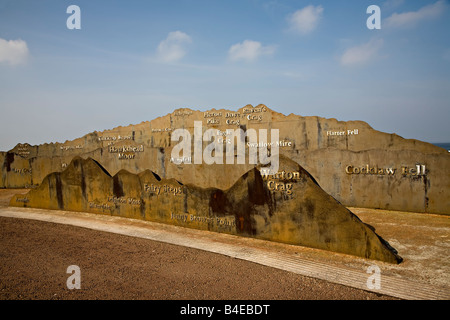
133,61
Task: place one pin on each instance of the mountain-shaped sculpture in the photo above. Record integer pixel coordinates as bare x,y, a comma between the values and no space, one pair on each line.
288,207
356,164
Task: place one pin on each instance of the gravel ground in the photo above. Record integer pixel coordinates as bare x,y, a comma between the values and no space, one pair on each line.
35,255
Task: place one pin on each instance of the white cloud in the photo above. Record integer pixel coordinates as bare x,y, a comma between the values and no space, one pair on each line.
13,52
173,48
411,18
305,20
249,51
360,55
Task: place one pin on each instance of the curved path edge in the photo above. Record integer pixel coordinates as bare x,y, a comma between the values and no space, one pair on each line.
258,251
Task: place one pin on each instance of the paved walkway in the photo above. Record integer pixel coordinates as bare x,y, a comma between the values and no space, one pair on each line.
333,267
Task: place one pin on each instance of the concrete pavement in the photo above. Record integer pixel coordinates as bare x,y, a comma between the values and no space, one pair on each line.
412,279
